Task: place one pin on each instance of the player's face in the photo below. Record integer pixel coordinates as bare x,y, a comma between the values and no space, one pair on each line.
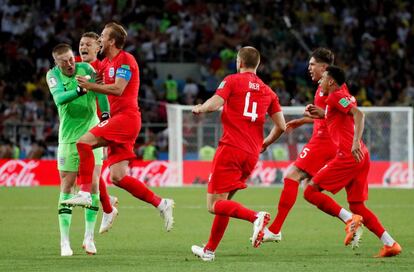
66,63
88,49
316,69
105,41
325,82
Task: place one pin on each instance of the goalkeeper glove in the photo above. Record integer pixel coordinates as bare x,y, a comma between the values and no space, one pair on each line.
80,91
105,116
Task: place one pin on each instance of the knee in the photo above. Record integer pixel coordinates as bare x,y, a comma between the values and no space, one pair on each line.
309,192
356,207
210,207
116,177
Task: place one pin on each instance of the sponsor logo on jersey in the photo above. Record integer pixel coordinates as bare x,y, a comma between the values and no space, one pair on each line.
52,82
221,86
111,72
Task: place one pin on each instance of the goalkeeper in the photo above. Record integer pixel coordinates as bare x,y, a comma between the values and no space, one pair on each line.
77,113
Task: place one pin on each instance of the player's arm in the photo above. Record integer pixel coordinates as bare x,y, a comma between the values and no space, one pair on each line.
277,130
295,123
61,95
122,77
212,104
359,118
103,104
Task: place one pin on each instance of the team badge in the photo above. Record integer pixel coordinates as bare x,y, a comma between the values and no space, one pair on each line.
111,72
344,102
61,160
52,82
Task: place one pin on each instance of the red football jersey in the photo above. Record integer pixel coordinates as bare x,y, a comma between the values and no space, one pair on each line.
247,100
340,123
124,66
319,125
320,128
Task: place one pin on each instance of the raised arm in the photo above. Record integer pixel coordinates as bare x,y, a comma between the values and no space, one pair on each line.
277,130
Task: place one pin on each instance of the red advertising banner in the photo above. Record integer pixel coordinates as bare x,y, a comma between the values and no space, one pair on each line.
158,173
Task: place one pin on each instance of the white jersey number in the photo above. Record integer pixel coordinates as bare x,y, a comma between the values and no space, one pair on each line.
253,113
304,152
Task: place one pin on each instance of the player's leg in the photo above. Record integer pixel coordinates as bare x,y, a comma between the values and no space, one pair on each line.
286,201
109,210
120,178
371,221
85,146
357,193
91,213
65,211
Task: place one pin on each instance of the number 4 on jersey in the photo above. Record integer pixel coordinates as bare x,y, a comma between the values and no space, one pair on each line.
253,113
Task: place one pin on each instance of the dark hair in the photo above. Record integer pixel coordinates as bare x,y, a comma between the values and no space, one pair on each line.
336,73
250,56
323,55
61,48
118,33
91,35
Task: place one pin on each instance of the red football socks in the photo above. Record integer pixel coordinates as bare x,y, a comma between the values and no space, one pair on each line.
217,231
139,190
104,196
370,220
322,201
234,209
286,202
86,166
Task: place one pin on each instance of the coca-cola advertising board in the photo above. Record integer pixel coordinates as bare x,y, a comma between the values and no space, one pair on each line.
159,173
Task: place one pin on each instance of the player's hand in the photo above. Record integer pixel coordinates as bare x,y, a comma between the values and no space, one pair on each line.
83,82
357,152
105,116
314,112
196,109
292,124
99,79
81,91
264,147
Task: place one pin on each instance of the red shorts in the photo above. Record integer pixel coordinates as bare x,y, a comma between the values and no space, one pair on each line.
345,172
230,169
315,154
121,132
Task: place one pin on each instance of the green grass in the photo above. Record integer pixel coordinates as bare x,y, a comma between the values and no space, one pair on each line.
312,241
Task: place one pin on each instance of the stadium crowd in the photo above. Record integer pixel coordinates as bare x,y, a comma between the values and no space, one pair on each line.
372,40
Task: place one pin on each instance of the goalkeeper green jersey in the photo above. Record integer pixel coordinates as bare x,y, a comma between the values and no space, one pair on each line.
77,113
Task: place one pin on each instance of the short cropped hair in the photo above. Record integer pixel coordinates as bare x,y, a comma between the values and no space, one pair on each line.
336,73
323,55
250,56
118,33
61,49
91,35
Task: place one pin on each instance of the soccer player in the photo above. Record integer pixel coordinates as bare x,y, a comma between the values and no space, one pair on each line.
77,114
315,154
349,169
118,133
246,101
89,48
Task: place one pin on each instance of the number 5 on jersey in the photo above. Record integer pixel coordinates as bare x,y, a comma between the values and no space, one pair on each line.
304,152
253,113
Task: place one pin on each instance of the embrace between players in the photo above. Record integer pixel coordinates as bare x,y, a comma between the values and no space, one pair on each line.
334,158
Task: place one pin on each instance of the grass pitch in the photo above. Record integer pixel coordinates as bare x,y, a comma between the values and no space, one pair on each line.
312,241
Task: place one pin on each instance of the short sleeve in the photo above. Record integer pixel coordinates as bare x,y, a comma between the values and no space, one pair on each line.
274,104
224,89
341,101
124,69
